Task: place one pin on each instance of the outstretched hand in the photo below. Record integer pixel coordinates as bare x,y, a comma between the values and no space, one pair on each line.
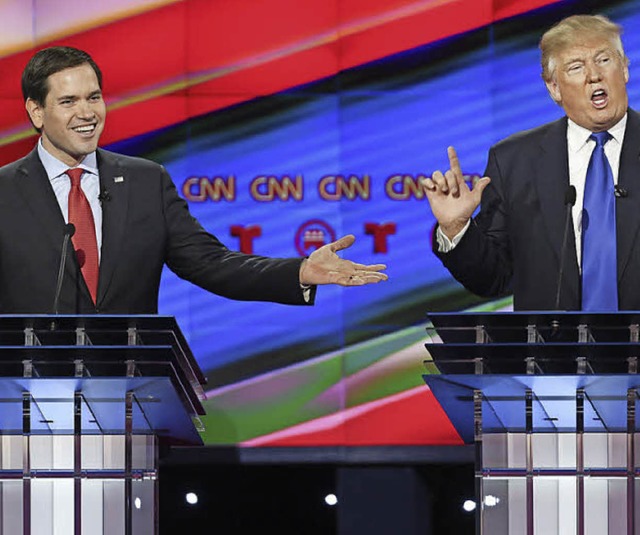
324,266
452,201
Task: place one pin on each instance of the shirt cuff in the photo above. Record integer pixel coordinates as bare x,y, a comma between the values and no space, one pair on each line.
306,292
446,245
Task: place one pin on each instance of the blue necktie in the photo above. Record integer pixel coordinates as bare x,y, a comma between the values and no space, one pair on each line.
599,260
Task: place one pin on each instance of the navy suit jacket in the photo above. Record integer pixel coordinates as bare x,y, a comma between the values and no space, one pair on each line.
514,245
146,225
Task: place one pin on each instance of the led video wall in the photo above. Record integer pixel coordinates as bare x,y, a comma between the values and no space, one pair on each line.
286,125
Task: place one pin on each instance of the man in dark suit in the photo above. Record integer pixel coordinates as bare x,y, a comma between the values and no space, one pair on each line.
138,222
528,232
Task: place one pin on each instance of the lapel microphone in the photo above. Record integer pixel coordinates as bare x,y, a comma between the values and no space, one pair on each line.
619,192
69,231
569,201
104,196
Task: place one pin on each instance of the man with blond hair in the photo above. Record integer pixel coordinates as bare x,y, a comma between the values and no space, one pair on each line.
559,204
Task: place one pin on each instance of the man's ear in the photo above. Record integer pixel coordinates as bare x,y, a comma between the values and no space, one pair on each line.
35,112
554,91
626,73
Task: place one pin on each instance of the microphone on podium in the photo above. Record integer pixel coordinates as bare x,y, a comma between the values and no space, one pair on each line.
69,231
569,201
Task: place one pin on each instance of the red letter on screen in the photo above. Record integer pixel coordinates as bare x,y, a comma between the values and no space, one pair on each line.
380,233
246,235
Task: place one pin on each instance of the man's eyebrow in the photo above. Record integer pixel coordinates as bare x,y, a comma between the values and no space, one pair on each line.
606,50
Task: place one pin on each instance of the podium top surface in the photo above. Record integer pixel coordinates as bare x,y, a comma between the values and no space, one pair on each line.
462,327
523,319
556,341
97,345
91,321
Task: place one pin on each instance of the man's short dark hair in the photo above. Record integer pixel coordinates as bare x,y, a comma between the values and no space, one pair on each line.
49,61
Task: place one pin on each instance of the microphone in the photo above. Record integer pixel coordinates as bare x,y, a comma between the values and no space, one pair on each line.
69,231
620,193
569,201
104,196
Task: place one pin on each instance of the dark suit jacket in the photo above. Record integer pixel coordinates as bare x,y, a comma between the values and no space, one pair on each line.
145,225
514,245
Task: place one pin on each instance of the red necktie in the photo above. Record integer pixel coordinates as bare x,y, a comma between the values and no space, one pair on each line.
84,239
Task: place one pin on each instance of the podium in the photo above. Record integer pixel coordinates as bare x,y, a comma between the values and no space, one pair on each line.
84,403
550,401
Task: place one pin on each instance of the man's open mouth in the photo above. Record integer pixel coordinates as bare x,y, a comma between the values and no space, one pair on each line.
599,98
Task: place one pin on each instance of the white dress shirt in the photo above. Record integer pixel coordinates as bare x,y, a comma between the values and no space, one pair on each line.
61,184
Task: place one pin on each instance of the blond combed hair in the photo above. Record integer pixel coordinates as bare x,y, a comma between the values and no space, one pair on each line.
572,30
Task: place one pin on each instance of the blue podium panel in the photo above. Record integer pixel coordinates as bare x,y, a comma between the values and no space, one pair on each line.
156,407
553,403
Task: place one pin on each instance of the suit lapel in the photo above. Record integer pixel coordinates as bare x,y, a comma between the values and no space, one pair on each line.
33,184
628,209
113,179
552,183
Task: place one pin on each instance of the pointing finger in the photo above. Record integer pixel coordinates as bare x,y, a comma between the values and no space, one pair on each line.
454,163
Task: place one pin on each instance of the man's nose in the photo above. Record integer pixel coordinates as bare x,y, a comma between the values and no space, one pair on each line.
85,110
593,73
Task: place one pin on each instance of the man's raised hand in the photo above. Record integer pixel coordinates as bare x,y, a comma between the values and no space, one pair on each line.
452,201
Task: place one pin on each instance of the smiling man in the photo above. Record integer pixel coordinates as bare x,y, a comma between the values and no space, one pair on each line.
560,204
68,111
128,219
